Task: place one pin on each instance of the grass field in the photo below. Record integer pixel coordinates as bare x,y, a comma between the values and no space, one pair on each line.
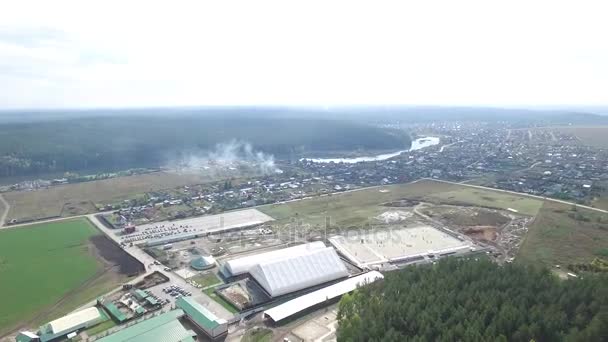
40,264
257,335
494,199
554,237
99,328
210,292
80,198
357,208
206,279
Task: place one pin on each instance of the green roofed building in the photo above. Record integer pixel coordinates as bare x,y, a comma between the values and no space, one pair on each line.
140,294
152,301
162,328
203,318
115,312
27,336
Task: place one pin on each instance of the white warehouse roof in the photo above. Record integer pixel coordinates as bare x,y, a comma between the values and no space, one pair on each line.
306,301
244,264
299,271
67,323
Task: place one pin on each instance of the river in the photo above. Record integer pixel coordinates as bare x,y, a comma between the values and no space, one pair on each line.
417,144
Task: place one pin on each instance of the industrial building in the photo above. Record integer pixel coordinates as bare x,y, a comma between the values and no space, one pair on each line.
163,328
299,271
243,265
71,323
310,300
202,318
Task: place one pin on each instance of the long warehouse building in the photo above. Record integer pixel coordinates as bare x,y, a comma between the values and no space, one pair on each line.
307,301
67,324
301,270
243,265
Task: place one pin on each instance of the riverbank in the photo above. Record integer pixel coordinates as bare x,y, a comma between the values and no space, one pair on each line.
417,144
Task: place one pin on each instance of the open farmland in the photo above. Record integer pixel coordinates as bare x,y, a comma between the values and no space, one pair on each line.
491,199
81,198
560,235
358,208
50,269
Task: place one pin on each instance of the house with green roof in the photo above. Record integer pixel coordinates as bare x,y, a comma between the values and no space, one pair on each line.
114,312
202,318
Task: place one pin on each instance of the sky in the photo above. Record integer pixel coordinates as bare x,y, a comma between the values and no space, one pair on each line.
88,54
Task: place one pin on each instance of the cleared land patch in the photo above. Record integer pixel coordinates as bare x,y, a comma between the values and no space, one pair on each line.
50,266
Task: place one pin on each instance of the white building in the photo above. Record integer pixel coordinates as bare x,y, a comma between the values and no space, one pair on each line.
73,322
299,270
320,296
245,264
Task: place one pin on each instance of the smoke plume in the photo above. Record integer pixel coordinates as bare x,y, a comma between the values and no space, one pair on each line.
234,155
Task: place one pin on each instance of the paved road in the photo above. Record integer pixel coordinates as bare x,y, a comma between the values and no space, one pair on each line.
7,207
52,220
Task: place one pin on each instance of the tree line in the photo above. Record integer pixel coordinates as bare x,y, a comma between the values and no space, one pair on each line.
122,142
476,300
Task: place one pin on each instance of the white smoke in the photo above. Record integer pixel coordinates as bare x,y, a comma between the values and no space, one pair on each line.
234,156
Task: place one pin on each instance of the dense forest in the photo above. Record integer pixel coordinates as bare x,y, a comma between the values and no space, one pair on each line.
114,142
476,300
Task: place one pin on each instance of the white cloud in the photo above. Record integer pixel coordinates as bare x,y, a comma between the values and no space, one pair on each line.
144,53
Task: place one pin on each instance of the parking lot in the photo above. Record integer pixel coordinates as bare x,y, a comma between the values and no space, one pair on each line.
203,225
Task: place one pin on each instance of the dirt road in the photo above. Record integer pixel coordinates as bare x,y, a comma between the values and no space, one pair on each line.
6,207
522,194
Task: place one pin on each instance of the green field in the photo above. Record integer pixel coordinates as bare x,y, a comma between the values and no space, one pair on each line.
257,335
493,199
40,264
557,238
99,328
357,208
206,279
211,293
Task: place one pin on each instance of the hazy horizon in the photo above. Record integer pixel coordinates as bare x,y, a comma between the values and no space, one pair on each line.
70,54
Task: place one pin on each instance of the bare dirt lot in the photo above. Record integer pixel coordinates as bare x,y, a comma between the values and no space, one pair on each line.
491,227
115,256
